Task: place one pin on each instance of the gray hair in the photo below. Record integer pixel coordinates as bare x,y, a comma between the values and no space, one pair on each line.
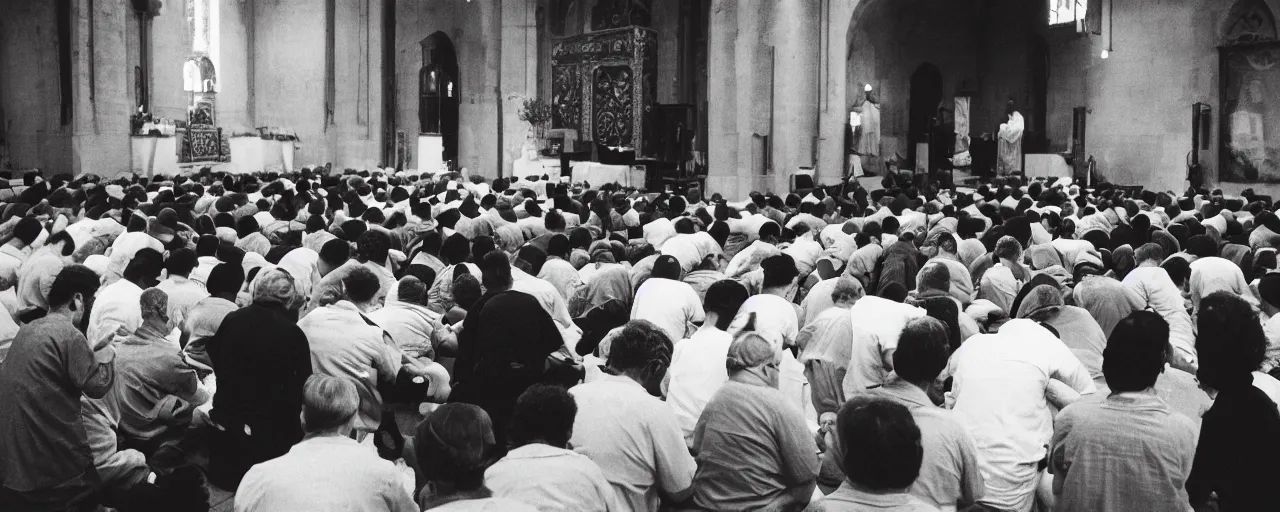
328,403
275,287
153,300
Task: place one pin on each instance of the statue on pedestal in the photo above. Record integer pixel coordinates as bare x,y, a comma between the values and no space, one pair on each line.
529,163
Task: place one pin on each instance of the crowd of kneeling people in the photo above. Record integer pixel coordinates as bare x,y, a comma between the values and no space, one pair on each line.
383,340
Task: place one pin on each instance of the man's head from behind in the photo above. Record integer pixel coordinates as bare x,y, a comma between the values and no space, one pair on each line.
1136,352
329,405
543,414
847,291
880,444
641,351
923,349
225,281
724,298
361,288
333,254
144,269
154,305
181,262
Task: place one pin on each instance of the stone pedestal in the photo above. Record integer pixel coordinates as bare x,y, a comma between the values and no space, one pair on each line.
254,154
430,153
154,155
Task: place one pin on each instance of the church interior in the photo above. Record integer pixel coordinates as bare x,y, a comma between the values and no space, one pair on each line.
735,95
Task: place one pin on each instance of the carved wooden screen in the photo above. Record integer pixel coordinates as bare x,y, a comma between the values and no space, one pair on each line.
603,86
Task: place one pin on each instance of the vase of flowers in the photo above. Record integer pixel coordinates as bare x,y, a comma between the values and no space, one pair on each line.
537,113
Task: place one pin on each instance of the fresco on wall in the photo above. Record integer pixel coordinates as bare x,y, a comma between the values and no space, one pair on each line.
1251,118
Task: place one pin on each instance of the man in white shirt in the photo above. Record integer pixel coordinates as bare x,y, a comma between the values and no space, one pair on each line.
327,466
541,470
344,343
629,432
877,324
1159,293
1000,388
698,363
668,302
206,258
1269,293
14,252
116,311
183,292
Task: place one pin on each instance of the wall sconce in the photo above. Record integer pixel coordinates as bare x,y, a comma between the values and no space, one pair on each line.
866,88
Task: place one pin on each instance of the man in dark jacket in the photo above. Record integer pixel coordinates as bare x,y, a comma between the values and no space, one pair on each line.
262,360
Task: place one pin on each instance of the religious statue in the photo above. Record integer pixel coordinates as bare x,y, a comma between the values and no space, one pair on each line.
1009,149
529,163
428,100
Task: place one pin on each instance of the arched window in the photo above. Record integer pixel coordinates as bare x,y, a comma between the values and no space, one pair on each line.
1062,12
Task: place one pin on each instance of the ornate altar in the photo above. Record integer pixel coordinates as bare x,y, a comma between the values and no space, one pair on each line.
603,86
202,140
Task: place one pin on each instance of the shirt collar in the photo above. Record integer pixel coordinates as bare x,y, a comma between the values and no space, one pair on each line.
536,451
906,392
848,492
1138,400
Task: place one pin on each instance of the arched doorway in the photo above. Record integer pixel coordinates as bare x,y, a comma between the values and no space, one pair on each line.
438,92
924,95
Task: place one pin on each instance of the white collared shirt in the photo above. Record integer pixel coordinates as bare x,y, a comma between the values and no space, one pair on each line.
635,439
552,478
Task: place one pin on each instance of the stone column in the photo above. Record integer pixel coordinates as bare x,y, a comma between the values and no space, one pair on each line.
795,88
722,111
100,136
519,68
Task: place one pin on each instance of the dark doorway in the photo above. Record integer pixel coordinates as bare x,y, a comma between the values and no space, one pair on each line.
438,92
925,95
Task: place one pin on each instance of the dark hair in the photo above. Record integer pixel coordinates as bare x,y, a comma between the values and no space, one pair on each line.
542,413
553,221
724,298
684,225
1135,352
455,249
640,345
207,245
533,259
225,278
1230,342
923,349
666,266
335,252
881,443
373,245
770,229
146,262
1179,270
181,262
466,290
27,230
62,236
71,280
779,270
361,284
495,271
558,245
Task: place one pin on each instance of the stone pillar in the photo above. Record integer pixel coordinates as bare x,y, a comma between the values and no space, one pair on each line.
797,34
519,68
722,111
834,113
100,134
